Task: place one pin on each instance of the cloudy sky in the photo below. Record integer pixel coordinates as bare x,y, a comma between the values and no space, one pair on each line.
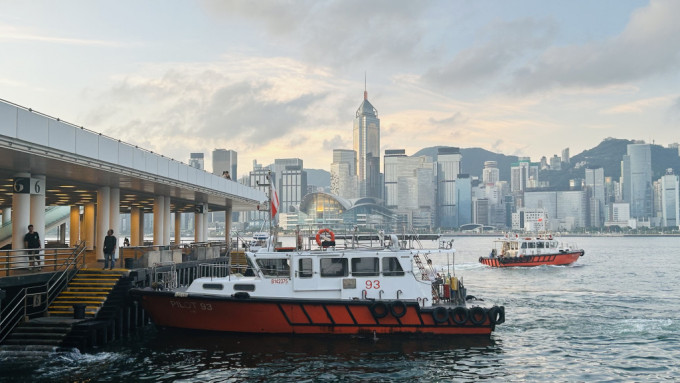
282,79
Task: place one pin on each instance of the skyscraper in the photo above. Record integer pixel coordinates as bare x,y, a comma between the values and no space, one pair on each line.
196,160
343,173
670,199
490,174
223,159
291,182
367,147
596,195
448,168
637,180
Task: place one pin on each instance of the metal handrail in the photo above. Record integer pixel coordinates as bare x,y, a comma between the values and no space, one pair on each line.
17,309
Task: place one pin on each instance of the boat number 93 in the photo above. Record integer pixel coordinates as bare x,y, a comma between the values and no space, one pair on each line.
191,306
374,284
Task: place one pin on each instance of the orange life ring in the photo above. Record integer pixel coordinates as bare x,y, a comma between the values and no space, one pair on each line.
318,235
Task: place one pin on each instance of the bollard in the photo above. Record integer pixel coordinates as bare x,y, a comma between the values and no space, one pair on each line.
79,311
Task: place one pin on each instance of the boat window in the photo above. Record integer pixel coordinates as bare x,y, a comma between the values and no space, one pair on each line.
524,245
244,287
277,267
513,245
532,245
365,267
392,267
539,245
213,286
305,268
334,267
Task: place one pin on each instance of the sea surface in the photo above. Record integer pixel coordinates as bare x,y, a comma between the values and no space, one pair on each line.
614,316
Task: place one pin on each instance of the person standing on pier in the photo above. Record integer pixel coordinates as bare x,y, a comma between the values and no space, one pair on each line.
110,244
32,241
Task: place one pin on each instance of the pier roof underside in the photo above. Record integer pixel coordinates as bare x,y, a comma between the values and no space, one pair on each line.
74,181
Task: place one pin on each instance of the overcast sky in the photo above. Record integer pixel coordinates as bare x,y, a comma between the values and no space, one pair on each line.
275,79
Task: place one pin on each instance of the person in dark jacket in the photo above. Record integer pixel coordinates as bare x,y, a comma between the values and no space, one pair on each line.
110,244
32,242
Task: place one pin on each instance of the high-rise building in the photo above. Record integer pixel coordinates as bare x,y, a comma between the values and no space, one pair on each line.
464,200
555,163
448,168
409,188
367,147
670,199
636,176
490,174
291,183
225,160
196,160
565,155
523,175
344,182
595,188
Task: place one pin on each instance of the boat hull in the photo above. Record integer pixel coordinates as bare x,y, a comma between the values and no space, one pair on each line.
308,316
557,259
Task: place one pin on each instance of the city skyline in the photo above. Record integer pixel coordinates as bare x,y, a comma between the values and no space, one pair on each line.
519,78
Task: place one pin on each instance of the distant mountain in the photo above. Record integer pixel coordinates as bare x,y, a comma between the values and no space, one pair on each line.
473,160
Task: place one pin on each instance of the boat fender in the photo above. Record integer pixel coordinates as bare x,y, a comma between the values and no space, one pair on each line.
379,310
398,309
477,315
440,315
241,295
459,315
496,315
583,253
472,298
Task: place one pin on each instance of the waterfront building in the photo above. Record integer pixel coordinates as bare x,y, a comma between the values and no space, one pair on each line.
367,147
196,160
447,170
567,209
225,160
490,174
670,199
620,215
636,172
344,181
530,219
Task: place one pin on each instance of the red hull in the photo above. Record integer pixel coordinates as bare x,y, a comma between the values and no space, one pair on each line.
287,316
559,259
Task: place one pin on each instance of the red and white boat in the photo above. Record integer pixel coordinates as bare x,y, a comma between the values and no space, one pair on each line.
525,251
330,289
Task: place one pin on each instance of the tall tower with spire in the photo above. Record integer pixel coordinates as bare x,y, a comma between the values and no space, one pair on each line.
367,147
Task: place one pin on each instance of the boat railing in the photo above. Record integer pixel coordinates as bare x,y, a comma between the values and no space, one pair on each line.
164,276
213,270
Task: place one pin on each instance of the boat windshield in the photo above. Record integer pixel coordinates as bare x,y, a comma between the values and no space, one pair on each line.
277,267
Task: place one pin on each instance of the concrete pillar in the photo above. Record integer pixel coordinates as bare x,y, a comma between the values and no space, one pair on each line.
61,233
227,224
21,214
205,223
198,226
158,219
178,228
135,221
103,215
88,225
6,215
167,221
38,209
74,234
114,214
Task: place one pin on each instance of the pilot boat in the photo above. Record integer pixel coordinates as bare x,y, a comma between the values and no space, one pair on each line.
525,251
328,288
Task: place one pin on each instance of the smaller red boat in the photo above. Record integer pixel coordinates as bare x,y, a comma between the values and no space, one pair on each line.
544,249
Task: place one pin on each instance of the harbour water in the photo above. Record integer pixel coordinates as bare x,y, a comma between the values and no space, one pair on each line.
613,316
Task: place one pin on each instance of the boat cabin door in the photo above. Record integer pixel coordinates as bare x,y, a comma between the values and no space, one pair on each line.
305,277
